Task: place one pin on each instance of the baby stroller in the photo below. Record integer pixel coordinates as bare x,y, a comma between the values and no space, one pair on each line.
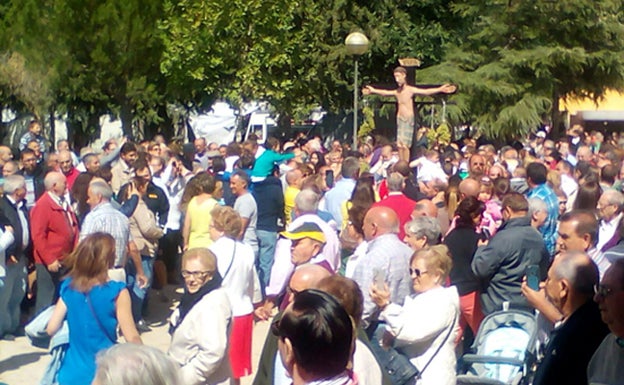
504,350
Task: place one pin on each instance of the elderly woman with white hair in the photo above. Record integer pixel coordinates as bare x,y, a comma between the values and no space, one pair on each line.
421,232
428,342
200,326
132,364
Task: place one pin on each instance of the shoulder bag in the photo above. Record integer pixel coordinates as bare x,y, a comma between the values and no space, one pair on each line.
397,365
113,340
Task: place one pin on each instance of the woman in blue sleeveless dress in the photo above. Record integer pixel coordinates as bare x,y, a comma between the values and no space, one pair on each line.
93,307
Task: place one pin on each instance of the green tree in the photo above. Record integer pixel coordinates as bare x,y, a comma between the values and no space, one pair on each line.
519,58
293,54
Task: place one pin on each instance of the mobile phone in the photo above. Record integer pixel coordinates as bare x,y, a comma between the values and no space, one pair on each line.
379,278
533,278
329,178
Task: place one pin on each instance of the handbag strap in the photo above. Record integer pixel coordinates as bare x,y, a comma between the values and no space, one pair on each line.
114,341
231,262
419,375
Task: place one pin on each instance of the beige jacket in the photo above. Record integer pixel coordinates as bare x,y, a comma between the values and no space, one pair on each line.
145,232
121,174
200,343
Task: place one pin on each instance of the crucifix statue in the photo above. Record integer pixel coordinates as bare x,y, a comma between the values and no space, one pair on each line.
404,95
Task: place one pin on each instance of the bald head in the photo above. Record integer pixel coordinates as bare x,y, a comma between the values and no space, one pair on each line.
469,188
579,270
55,182
5,154
307,276
380,221
425,208
65,161
293,178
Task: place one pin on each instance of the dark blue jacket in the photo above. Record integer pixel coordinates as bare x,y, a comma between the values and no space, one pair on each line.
269,197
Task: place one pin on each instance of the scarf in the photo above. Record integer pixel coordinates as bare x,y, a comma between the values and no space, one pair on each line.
189,300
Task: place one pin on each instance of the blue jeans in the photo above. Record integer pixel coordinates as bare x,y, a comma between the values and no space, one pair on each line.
137,294
266,246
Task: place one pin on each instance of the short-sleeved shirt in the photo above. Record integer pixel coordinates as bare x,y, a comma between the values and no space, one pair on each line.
246,206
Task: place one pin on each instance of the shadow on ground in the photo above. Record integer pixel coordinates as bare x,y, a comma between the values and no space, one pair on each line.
17,361
162,303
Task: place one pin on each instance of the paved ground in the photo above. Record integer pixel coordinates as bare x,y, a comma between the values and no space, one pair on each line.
23,364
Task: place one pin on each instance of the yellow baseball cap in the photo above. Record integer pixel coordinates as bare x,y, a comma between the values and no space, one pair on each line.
306,230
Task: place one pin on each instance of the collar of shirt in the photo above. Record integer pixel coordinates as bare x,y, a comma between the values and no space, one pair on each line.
17,205
58,200
613,223
101,206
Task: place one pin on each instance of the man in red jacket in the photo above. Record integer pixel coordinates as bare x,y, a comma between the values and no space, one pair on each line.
54,232
397,201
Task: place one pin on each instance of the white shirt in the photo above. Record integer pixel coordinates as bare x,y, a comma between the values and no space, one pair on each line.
420,336
355,258
428,171
23,221
606,230
568,185
240,279
600,260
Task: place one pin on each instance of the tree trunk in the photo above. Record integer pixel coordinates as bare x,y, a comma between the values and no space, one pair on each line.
558,125
126,118
52,130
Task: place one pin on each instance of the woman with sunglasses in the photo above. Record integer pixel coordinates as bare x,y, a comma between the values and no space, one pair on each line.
425,327
200,324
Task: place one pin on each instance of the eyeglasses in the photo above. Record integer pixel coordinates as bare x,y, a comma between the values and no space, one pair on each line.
195,274
563,202
602,291
418,272
291,290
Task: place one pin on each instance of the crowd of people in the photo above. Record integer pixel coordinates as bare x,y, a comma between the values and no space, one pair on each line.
345,249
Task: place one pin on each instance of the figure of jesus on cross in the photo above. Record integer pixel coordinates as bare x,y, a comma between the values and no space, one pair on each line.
404,95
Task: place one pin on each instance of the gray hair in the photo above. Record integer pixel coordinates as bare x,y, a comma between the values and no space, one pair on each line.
314,145
578,269
101,188
537,205
51,179
13,182
90,157
425,227
350,167
307,201
395,182
614,197
133,364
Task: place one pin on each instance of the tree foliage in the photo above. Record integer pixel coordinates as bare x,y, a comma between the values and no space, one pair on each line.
292,53
520,57
134,58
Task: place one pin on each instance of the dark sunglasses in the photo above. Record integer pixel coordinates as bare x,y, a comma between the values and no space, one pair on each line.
418,272
602,291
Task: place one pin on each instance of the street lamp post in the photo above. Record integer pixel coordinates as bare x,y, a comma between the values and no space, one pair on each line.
357,44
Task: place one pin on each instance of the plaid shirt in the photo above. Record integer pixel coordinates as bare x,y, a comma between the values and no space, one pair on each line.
106,219
28,137
549,229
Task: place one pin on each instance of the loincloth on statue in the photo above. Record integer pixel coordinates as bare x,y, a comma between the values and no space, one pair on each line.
405,130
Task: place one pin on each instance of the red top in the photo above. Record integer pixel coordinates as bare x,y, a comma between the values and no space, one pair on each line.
71,177
54,231
402,206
